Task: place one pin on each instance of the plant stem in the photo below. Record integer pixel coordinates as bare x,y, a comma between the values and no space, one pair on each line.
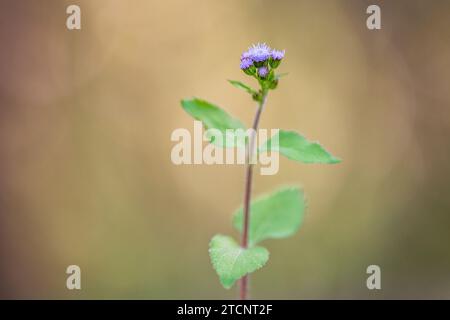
248,190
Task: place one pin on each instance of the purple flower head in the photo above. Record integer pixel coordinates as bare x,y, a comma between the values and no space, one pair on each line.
246,63
258,53
277,54
246,55
263,71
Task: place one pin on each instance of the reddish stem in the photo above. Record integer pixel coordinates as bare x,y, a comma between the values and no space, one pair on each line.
248,191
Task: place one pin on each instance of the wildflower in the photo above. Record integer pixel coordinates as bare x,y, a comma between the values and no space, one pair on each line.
247,66
277,54
275,58
246,63
258,53
260,61
246,55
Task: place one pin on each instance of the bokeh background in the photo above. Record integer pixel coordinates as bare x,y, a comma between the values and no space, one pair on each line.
85,124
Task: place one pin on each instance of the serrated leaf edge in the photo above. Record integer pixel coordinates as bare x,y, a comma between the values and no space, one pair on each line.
258,265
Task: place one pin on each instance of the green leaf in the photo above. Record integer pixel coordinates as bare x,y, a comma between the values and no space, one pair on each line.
242,86
295,147
280,75
275,216
232,262
214,117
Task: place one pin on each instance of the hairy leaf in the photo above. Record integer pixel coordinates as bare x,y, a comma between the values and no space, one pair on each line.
215,118
277,215
295,147
232,262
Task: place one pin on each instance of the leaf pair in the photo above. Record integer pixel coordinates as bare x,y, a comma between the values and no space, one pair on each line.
288,143
275,216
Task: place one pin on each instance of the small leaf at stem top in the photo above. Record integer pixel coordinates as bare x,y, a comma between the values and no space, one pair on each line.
242,86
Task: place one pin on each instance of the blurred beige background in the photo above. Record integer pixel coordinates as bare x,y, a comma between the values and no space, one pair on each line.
85,124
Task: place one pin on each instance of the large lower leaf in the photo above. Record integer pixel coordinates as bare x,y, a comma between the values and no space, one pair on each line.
215,118
232,262
296,147
277,215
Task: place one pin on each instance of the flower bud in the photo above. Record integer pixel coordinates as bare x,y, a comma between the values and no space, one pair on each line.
273,84
263,71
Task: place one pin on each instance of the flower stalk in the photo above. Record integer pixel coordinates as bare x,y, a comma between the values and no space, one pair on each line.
243,290
258,61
